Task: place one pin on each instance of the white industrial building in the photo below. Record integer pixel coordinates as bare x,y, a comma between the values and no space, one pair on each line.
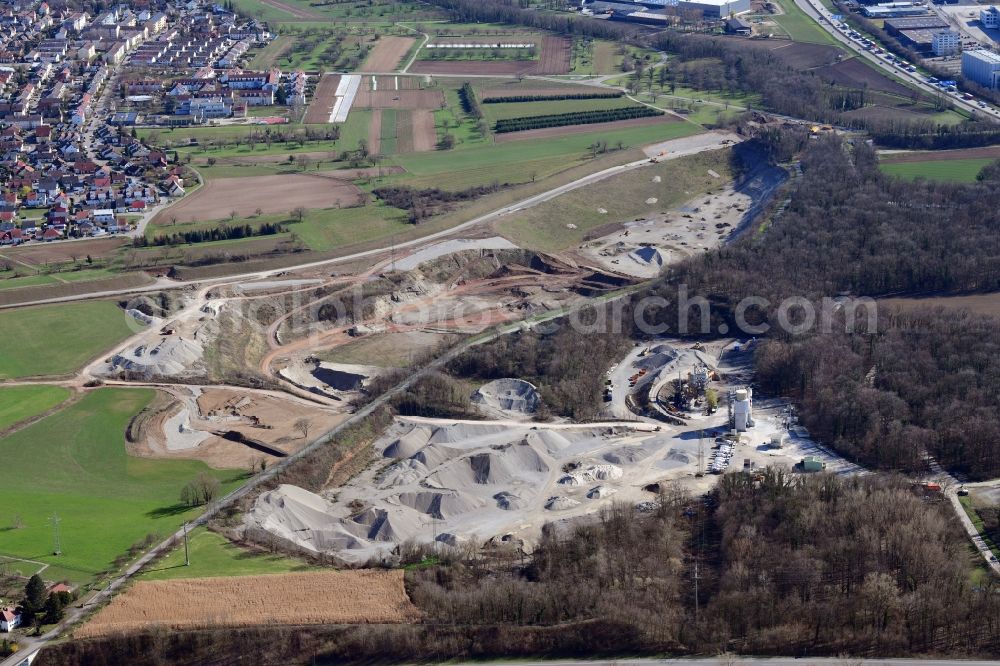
712,9
990,18
982,66
741,409
946,42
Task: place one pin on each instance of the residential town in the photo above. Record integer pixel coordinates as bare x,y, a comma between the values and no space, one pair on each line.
73,86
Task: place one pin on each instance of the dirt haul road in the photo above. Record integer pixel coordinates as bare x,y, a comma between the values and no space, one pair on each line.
664,151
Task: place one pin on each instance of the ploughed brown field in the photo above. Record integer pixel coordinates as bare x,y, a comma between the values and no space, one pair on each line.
323,100
387,53
398,99
988,152
327,597
217,199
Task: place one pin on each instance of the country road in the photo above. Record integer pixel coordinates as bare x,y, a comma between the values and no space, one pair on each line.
818,13
664,151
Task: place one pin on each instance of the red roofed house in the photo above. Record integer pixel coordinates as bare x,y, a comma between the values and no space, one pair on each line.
137,206
10,619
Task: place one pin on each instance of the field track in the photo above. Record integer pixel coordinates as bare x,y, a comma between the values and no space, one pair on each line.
323,100
386,54
549,132
328,597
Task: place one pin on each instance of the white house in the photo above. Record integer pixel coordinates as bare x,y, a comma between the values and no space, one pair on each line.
10,619
104,215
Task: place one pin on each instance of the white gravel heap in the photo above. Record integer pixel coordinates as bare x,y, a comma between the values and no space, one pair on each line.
508,395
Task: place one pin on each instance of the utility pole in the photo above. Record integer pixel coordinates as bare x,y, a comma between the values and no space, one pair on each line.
56,545
187,557
696,604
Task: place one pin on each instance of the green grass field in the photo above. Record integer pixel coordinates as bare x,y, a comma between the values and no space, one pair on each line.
800,27
543,227
330,228
212,555
387,137
18,403
953,171
14,282
58,339
74,464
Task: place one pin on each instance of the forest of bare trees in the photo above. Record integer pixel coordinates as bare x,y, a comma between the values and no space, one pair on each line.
787,564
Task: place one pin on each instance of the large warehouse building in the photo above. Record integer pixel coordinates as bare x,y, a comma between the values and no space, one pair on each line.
712,9
982,66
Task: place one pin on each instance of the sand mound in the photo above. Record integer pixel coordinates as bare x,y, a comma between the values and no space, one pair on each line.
682,457
402,473
502,465
600,492
551,441
647,255
302,517
408,444
560,503
440,505
509,501
511,395
626,455
591,474
169,357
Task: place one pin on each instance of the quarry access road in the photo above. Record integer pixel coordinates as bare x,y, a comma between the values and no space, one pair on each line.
661,152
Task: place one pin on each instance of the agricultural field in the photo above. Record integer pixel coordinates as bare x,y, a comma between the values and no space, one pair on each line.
387,53
329,597
623,197
19,403
518,161
59,339
800,27
380,14
74,464
222,197
547,55
955,166
213,555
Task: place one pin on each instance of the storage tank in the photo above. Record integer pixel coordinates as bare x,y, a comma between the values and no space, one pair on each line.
743,410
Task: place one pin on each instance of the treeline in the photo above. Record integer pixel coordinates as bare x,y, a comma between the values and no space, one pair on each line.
208,235
512,99
427,202
900,386
786,565
504,125
470,104
566,364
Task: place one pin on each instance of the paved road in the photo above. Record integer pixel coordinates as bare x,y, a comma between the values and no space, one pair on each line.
664,151
814,9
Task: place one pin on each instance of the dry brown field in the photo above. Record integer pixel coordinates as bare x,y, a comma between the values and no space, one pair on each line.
387,53
323,100
328,597
399,99
990,152
555,56
217,199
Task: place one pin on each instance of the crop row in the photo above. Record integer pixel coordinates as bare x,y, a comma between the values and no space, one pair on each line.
574,118
552,98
